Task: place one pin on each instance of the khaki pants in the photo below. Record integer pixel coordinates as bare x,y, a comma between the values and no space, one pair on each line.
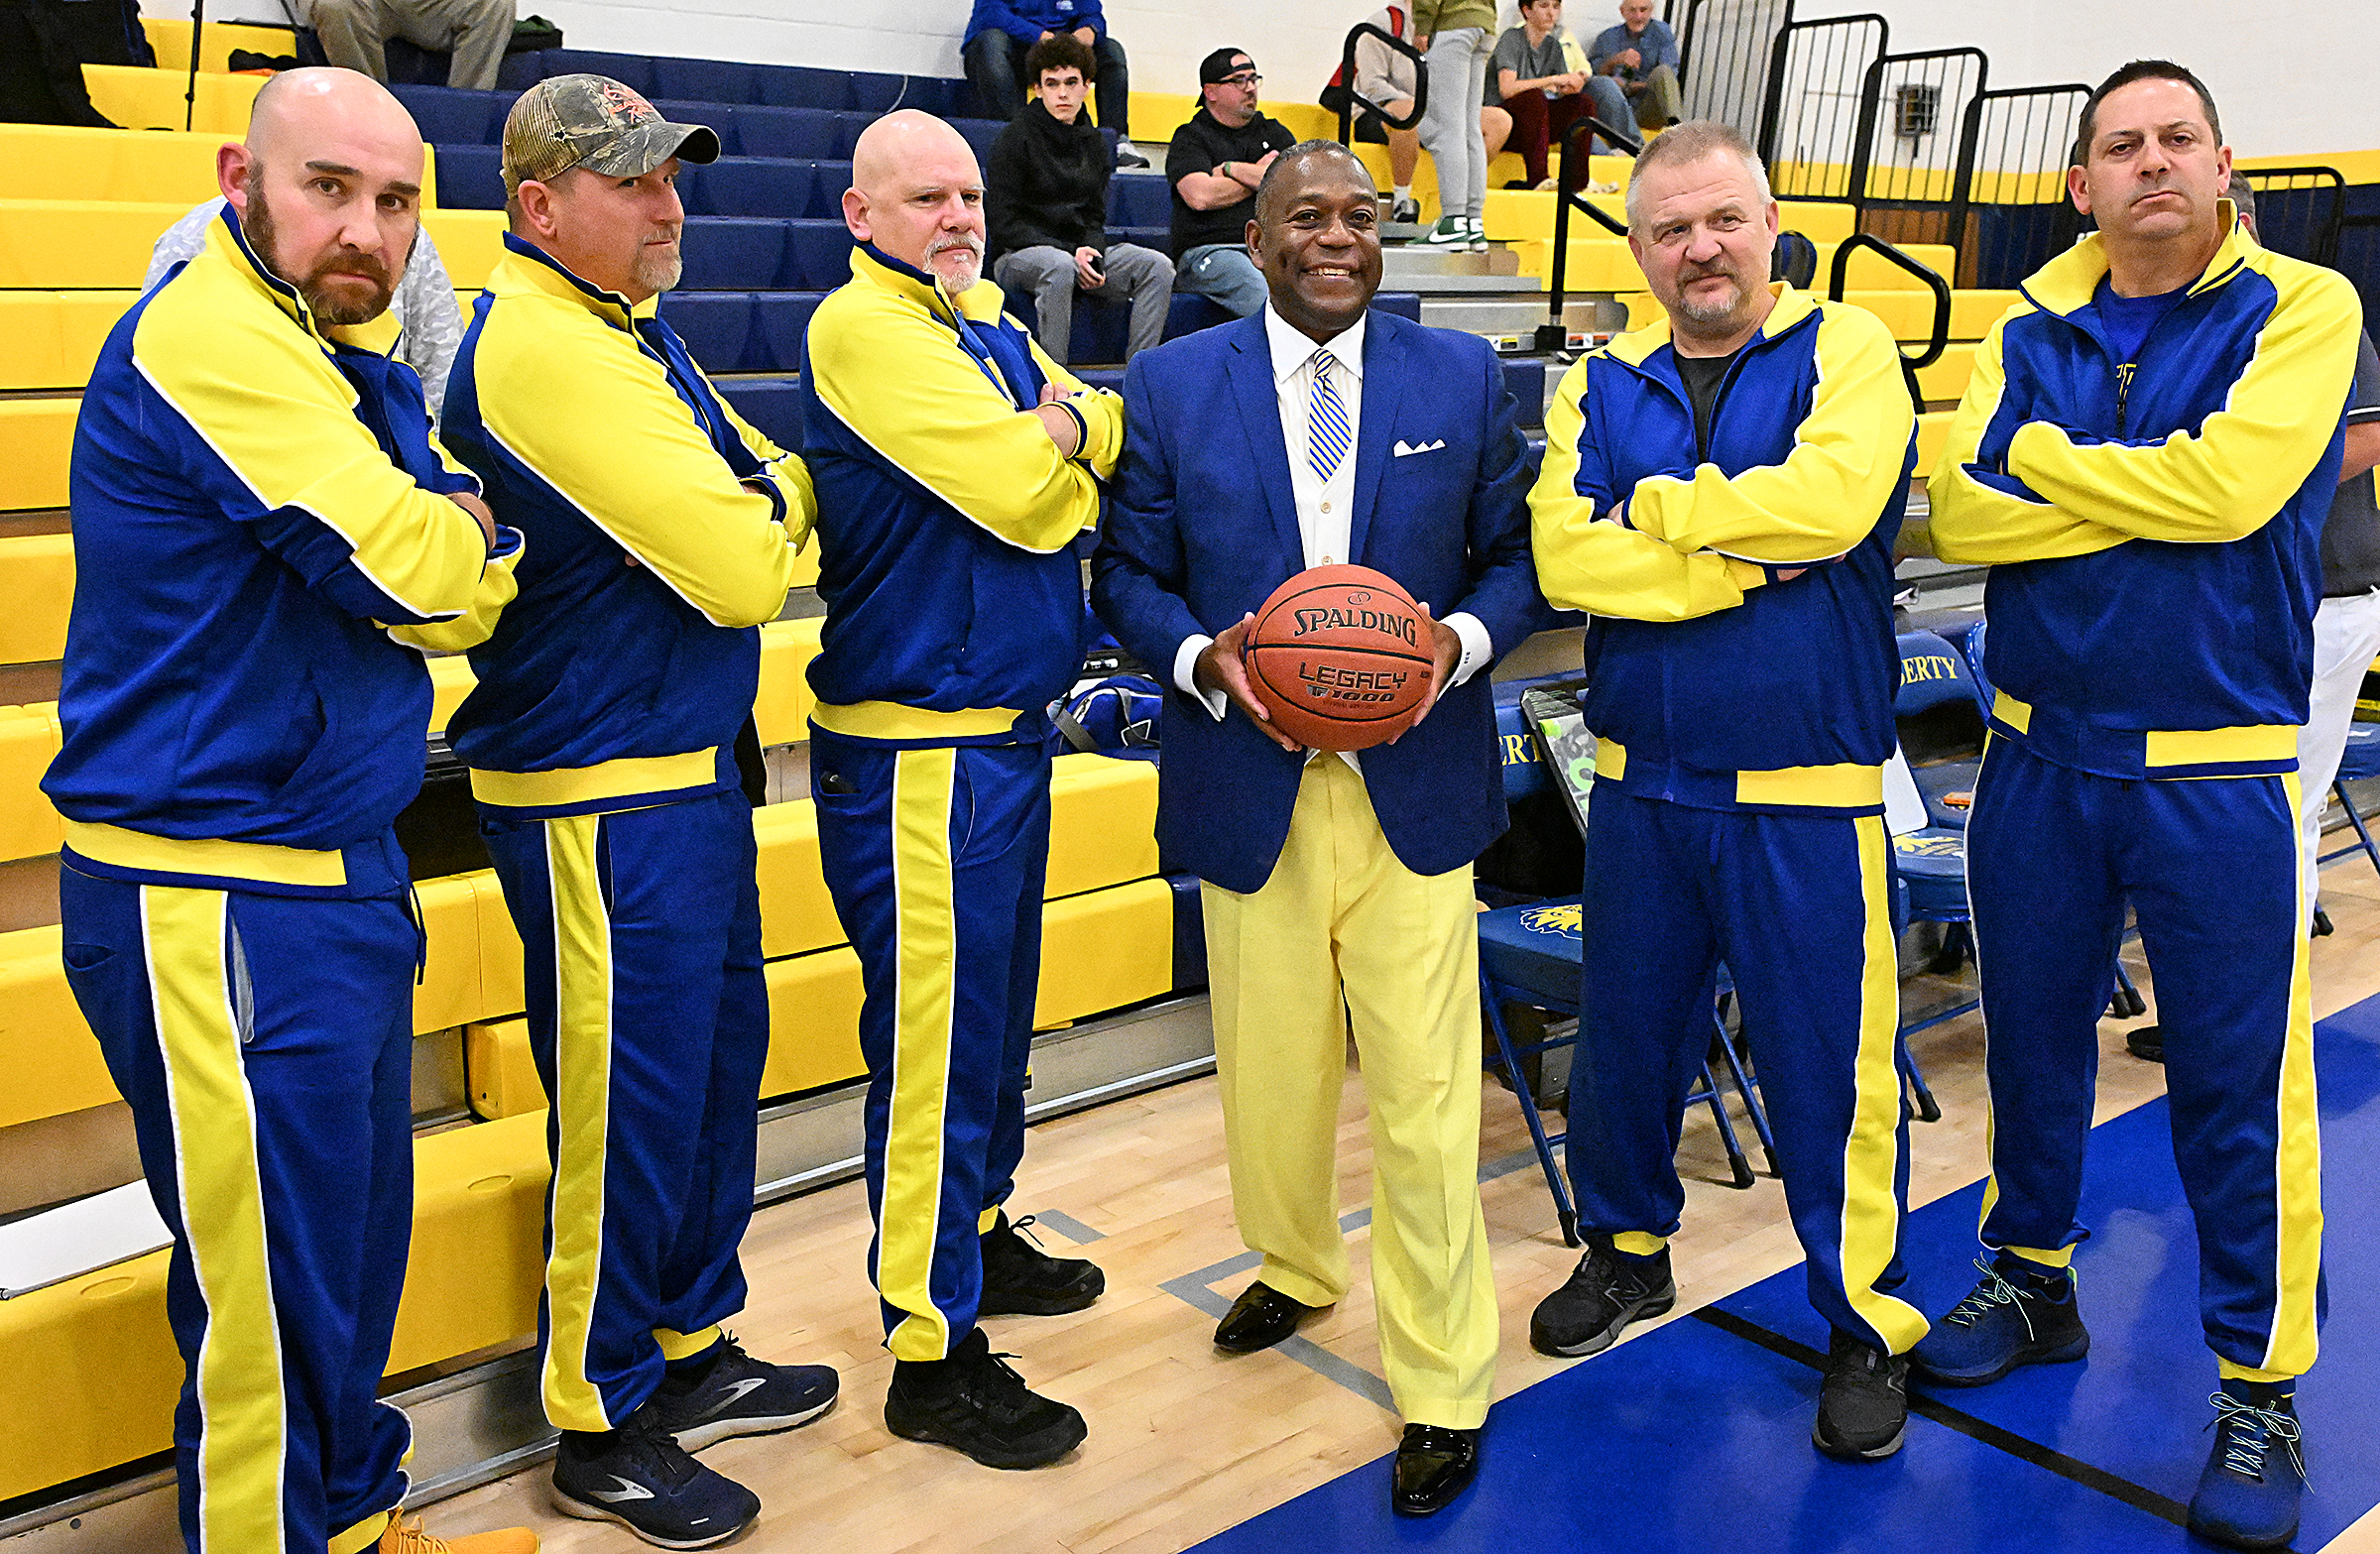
1660,104
1344,929
475,32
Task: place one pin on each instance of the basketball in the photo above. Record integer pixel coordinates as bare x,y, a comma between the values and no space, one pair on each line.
1341,659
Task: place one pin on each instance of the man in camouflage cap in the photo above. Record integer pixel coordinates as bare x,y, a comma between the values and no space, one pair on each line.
659,533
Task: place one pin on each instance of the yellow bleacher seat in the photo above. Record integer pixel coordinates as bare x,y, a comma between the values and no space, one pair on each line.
37,586
1973,311
37,444
59,245
54,161
1157,115
796,915
1819,220
171,38
813,1021
1872,273
469,242
1101,824
50,339
97,1348
1519,215
450,681
30,826
449,991
1105,949
1933,428
50,1055
139,98
1947,378
782,711
498,1071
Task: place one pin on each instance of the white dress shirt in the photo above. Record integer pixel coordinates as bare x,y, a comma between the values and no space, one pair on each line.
1325,508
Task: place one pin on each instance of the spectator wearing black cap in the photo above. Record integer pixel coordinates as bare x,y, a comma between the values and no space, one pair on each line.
1000,32
1215,164
1046,194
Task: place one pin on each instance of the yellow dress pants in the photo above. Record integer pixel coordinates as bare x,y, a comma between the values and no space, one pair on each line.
1343,932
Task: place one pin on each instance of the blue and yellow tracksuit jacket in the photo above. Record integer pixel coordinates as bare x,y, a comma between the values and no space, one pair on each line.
2154,529
257,502
947,517
621,674
1709,683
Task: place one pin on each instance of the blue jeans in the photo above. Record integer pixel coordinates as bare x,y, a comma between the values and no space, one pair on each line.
1224,274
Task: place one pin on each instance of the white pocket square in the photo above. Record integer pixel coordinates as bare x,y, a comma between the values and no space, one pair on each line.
1432,446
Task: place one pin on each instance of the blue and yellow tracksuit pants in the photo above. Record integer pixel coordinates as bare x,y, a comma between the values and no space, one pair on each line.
1799,909
649,1018
936,859
265,1045
2211,867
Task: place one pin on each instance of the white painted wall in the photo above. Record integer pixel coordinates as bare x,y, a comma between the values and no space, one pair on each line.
2291,76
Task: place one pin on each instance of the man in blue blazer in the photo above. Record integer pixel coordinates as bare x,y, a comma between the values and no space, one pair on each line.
1314,432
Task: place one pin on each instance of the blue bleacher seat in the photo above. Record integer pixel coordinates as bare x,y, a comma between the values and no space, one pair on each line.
1135,199
706,80
772,404
1524,378
817,255
470,178
716,326
979,133
779,322
796,86
1189,315
446,116
752,187
632,71
793,131
734,254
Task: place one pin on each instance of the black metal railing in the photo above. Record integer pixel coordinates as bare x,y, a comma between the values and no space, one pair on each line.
1353,100
2299,211
1937,338
1725,54
1553,334
1812,111
2009,210
1912,108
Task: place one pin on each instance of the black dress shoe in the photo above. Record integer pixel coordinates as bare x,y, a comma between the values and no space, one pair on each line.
1433,1465
1261,1318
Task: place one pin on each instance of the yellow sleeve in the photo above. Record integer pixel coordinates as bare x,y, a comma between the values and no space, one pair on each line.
2246,460
1975,516
630,456
268,403
905,389
1585,562
498,587
1848,453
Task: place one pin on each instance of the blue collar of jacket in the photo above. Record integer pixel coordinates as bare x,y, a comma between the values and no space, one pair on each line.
541,271
2066,282
1640,349
227,242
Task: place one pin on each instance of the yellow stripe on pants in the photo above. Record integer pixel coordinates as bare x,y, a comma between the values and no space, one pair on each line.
928,933
2297,1164
1343,927
1871,1211
238,1372
582,1073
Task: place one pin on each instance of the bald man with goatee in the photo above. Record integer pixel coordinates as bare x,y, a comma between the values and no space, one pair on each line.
258,501
956,468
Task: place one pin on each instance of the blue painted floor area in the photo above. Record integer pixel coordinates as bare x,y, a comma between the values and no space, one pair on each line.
1698,1436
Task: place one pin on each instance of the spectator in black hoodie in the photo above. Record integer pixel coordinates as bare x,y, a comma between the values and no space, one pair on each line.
1045,190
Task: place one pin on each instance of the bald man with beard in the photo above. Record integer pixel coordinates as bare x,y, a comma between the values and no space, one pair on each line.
956,467
258,501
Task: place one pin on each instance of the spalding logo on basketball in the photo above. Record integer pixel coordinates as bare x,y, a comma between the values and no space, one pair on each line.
1341,659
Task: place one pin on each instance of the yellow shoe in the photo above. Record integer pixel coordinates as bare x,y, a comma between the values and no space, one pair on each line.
407,1537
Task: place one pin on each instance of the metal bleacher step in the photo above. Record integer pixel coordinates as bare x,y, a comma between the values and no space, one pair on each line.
1416,266
1519,313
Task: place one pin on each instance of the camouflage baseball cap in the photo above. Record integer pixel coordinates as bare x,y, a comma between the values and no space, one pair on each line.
593,122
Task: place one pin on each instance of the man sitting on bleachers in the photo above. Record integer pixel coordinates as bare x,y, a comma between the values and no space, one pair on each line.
1000,32
1045,194
1215,164
430,320
257,500
355,35
1641,54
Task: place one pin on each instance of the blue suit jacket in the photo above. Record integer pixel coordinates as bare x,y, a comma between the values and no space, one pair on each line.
1202,527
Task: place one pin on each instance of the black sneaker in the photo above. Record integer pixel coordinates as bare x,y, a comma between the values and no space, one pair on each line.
1605,1294
741,1395
639,1478
1863,1404
976,1403
1023,1280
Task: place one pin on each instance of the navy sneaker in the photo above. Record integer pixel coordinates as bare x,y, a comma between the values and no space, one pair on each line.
2247,1498
1863,1404
1606,1292
1020,1279
740,1396
639,1478
2019,1314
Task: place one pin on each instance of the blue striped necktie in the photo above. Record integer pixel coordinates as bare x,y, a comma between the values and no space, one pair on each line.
1327,434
